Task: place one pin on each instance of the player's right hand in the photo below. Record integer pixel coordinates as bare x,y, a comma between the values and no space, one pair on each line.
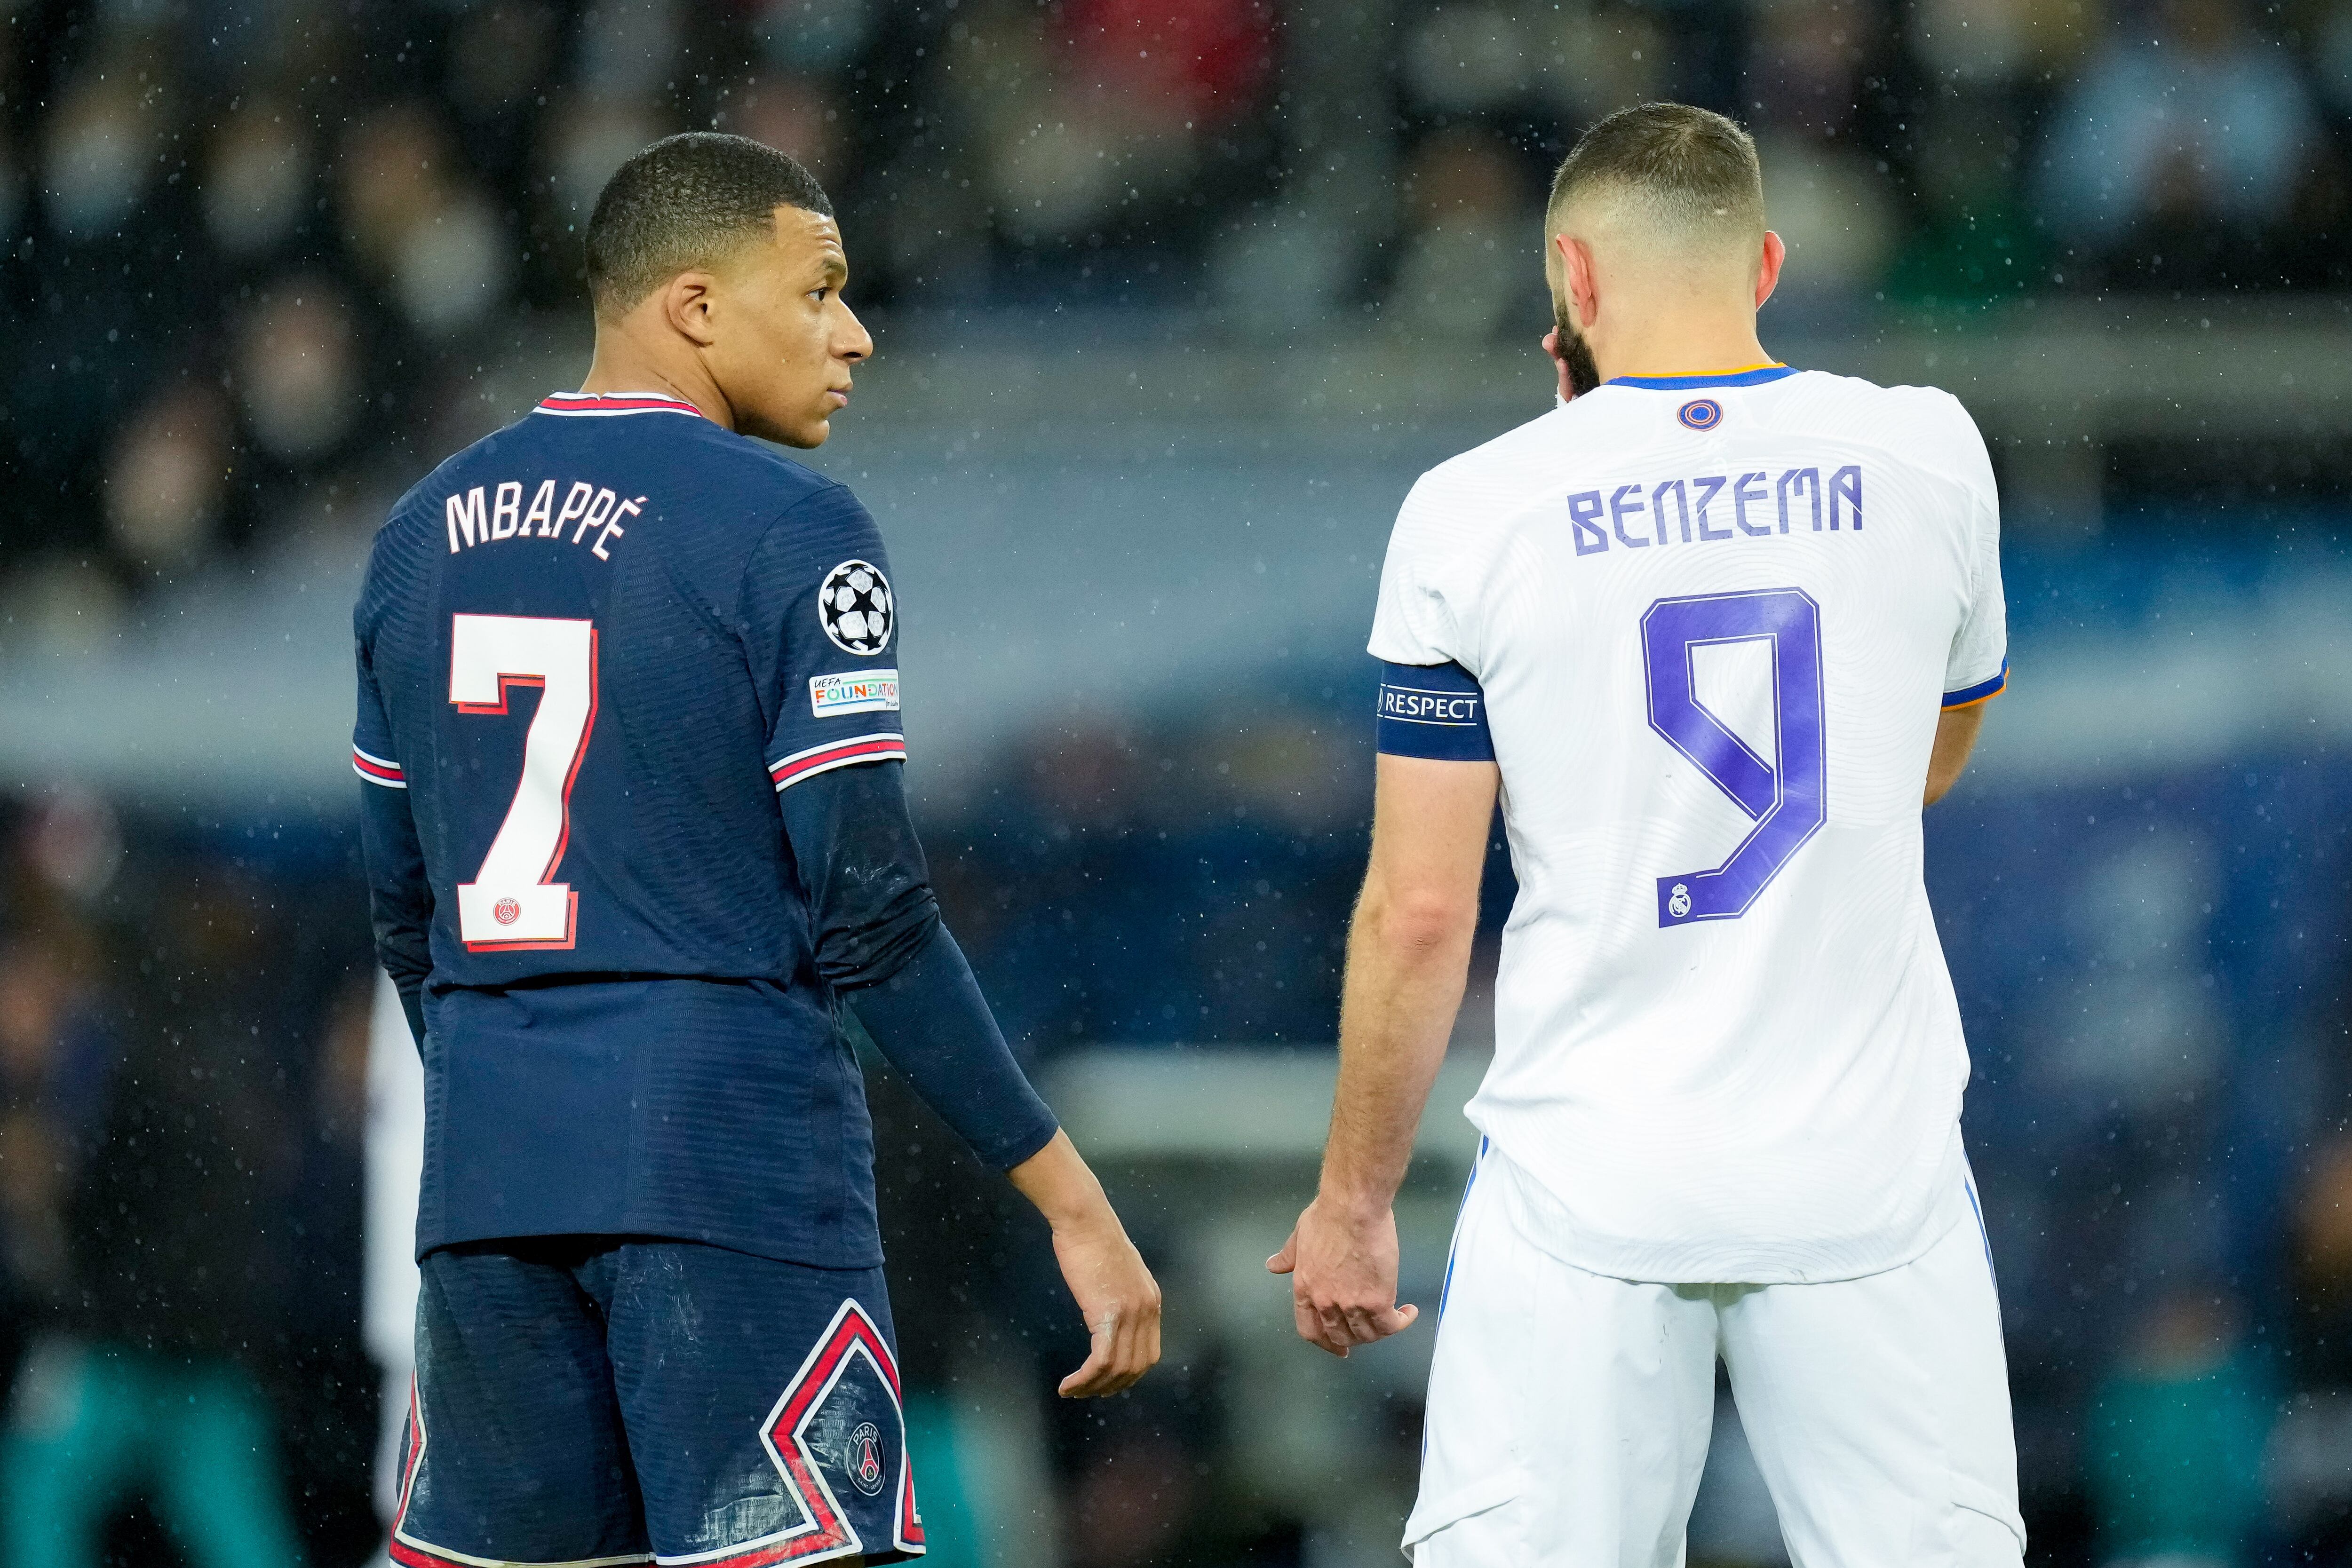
1343,1272
1120,1301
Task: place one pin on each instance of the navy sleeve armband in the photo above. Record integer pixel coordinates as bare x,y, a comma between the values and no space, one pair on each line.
1435,711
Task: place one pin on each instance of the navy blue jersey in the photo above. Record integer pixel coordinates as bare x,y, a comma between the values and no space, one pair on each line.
594,648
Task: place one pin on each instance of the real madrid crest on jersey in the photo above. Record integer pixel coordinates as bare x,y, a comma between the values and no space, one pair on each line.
855,605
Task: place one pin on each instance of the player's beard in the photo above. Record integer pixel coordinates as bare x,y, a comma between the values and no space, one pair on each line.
1583,375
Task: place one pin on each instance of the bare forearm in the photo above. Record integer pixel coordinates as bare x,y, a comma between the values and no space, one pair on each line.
1116,1295
1058,1181
1403,988
1408,954
1955,737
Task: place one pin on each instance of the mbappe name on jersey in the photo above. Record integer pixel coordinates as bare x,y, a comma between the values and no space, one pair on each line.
484,514
1756,504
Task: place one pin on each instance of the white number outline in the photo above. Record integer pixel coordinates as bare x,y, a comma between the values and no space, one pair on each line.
537,828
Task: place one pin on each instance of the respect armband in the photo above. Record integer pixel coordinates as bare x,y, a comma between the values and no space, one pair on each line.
1434,711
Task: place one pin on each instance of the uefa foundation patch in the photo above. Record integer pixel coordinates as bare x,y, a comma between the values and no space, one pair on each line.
864,691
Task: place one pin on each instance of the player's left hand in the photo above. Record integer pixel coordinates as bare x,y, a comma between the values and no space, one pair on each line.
1343,1272
1120,1301
1106,1274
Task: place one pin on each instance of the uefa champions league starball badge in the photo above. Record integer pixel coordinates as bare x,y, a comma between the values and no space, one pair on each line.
855,607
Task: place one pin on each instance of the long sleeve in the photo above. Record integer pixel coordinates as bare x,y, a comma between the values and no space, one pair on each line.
878,938
400,899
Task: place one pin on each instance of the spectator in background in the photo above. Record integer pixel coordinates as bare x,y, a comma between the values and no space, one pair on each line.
2320,1339
2186,136
100,148
392,160
56,1061
1200,62
1470,219
453,267
1806,64
139,1180
1823,193
793,114
260,167
585,137
14,191
501,58
1092,122
168,478
1096,136
996,146
1988,47
57,1057
944,190
2311,1453
1973,245
416,219
297,372
2175,1439
1972,242
1833,209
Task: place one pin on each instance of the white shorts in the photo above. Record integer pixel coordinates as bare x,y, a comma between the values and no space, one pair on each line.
1568,1412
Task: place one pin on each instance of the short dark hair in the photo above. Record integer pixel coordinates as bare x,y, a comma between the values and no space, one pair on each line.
1690,166
685,202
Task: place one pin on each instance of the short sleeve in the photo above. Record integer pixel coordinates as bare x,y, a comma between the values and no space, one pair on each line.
1977,668
820,620
374,755
1413,623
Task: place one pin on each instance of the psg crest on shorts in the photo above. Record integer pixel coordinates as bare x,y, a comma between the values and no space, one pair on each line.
865,1465
855,605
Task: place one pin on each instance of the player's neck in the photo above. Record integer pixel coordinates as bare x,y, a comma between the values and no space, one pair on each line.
623,365
1682,347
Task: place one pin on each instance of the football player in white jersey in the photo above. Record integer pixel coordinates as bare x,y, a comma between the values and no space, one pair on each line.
1716,629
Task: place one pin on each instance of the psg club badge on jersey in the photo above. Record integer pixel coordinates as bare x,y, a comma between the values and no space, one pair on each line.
855,605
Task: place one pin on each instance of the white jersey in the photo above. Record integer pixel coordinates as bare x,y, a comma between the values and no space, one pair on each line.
1713,618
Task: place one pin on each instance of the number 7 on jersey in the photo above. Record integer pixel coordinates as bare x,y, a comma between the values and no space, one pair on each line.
513,900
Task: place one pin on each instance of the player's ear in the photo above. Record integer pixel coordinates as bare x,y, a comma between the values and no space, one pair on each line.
1578,275
1767,270
687,304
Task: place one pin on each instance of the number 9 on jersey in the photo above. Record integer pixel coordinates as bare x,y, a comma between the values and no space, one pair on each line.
1786,796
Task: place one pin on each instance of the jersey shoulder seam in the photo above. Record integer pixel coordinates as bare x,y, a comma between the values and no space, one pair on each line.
767,532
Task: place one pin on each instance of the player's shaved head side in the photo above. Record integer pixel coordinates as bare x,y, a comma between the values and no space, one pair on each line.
687,202
1684,178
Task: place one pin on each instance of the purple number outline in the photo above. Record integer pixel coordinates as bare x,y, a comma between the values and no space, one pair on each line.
1789,802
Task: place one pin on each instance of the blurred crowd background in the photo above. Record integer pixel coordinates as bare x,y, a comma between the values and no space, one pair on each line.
254,248
263,262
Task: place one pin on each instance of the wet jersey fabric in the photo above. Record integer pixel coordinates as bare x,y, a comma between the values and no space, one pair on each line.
593,649
1704,626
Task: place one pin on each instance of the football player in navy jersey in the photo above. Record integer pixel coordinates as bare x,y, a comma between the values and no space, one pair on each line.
635,834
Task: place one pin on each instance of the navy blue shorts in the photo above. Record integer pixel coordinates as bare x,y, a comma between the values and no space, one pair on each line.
597,1399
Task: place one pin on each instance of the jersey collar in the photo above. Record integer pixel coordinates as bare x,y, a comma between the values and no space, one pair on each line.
1746,376
604,405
